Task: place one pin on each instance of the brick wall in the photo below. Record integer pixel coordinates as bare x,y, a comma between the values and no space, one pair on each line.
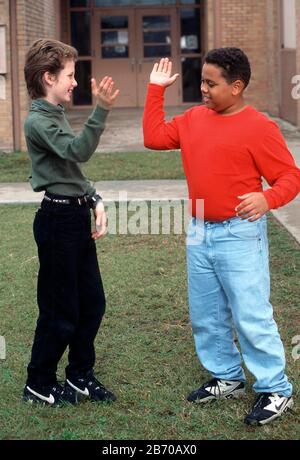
272,30
34,20
252,25
298,56
5,105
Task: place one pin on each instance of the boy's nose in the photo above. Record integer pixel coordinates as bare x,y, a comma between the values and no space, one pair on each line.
75,83
203,87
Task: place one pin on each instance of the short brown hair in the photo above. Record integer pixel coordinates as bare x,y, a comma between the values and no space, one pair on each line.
45,55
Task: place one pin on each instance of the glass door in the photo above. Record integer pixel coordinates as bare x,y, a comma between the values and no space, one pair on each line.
156,38
115,52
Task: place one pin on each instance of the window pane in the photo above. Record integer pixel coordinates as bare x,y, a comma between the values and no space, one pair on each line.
82,94
157,51
156,22
80,32
157,37
74,3
190,30
191,71
190,2
119,51
114,22
133,3
115,38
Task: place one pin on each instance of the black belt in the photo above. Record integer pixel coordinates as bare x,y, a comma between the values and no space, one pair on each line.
212,222
61,199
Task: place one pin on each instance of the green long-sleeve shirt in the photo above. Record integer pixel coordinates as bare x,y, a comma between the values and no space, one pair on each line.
55,151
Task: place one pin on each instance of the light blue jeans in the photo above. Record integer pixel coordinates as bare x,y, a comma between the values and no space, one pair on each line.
229,288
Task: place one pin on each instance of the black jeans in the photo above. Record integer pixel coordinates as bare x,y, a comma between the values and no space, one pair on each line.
70,293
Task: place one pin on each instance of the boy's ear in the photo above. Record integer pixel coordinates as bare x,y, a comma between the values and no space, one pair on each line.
49,78
238,87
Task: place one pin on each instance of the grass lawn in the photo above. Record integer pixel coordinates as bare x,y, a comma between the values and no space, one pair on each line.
15,167
145,350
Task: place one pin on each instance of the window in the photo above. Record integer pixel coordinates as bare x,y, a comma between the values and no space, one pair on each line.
191,71
82,94
114,37
133,3
157,35
81,32
190,30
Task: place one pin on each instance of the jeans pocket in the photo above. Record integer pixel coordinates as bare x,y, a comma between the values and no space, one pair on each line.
244,230
195,232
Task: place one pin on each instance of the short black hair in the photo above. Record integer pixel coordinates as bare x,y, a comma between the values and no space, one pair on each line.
233,62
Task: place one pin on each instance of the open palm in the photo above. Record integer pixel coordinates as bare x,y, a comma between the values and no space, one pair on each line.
161,73
104,92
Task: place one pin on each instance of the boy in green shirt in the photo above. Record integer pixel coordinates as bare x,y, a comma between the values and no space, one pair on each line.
70,293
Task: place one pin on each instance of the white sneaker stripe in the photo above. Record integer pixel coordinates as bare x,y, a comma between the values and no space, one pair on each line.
50,399
83,392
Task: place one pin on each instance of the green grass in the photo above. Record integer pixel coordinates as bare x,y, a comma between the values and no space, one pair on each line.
145,350
15,167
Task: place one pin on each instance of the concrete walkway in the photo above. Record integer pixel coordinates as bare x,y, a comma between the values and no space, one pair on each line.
124,128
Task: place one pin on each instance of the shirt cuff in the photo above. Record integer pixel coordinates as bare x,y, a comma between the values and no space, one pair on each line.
156,89
100,113
268,194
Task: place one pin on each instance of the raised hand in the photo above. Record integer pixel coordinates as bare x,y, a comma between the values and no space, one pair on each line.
104,92
161,73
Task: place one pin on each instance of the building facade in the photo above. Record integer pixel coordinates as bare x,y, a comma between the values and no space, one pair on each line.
124,38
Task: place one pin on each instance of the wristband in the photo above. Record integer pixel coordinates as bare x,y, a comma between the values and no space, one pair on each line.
94,200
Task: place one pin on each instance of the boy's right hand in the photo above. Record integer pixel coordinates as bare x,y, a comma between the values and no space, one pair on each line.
100,221
161,73
104,92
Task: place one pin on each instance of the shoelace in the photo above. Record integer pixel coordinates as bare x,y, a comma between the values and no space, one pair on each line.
92,383
95,384
214,383
56,389
263,399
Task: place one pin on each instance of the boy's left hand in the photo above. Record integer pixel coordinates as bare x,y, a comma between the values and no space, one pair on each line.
104,92
100,221
253,206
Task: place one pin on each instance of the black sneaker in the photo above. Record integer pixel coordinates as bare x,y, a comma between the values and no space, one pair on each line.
217,389
90,387
267,407
47,395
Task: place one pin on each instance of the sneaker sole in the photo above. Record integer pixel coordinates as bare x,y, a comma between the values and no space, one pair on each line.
250,422
238,394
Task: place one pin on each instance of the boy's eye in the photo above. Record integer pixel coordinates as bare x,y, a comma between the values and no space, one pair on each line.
209,83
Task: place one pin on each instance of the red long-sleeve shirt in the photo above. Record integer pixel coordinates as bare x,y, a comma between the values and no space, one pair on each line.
224,156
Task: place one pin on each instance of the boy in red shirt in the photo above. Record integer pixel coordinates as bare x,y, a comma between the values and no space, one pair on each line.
227,147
